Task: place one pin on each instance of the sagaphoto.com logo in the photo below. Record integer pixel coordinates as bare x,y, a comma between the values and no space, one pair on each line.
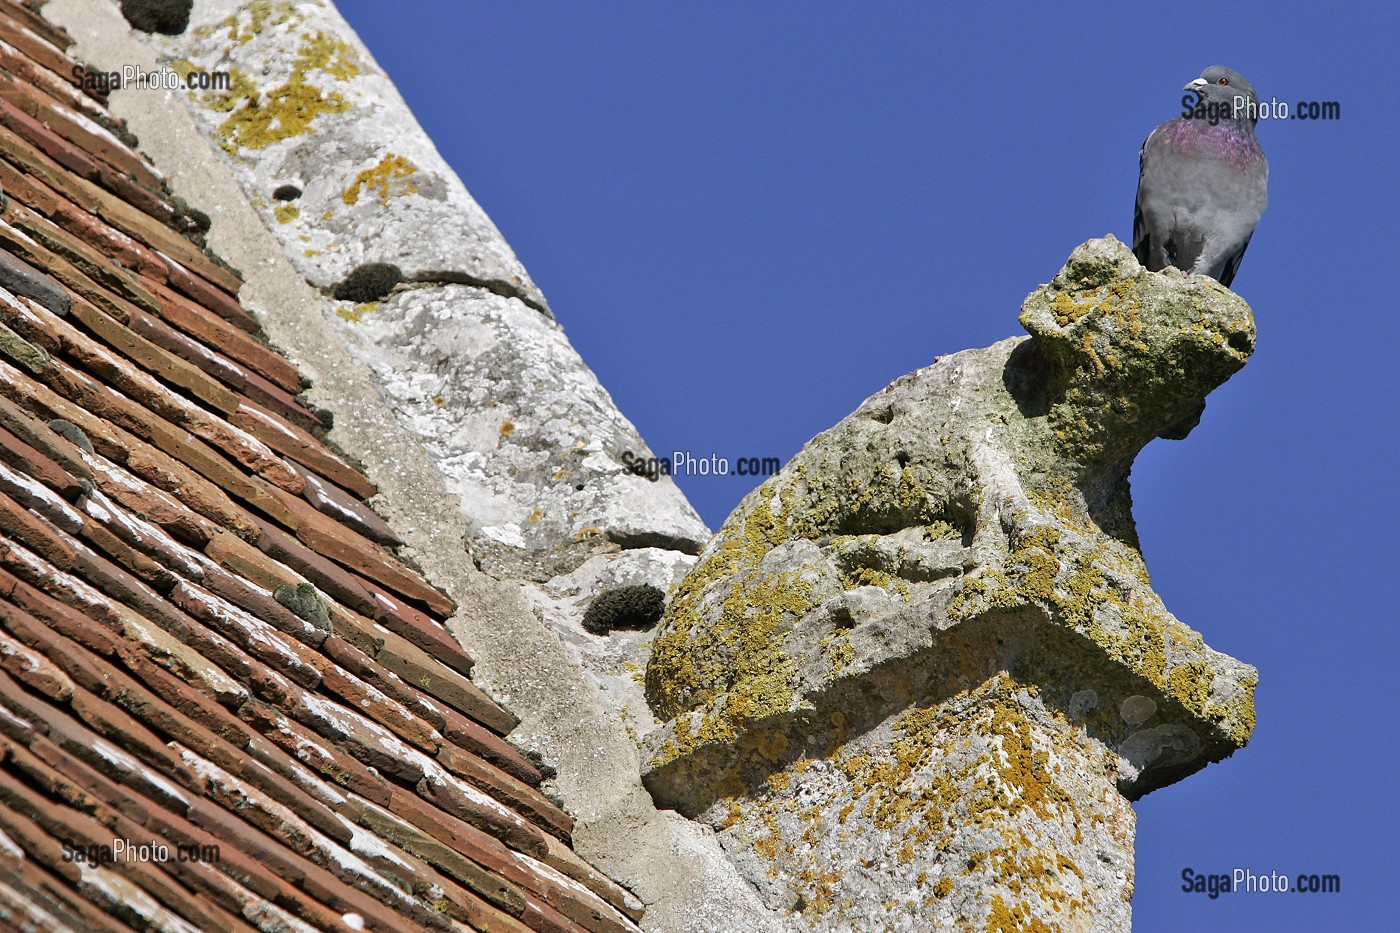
163,78
686,463
1271,109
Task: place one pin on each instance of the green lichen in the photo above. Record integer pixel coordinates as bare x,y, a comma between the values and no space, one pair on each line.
1237,714
870,576
286,213
1122,372
938,529
1055,582
838,651
741,652
1084,585
1191,683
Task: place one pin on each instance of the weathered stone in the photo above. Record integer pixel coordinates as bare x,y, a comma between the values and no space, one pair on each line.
310,108
910,650
522,431
508,412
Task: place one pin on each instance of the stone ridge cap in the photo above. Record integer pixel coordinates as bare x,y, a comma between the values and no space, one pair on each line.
425,291
208,644
310,108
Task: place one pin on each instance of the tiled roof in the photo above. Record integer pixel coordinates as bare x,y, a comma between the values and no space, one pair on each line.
167,674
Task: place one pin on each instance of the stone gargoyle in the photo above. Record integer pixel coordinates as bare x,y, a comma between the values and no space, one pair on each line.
988,489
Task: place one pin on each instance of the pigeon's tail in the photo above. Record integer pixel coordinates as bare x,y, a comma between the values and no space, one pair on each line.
1232,264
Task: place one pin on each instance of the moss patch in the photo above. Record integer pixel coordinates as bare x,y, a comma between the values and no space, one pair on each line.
169,17
369,282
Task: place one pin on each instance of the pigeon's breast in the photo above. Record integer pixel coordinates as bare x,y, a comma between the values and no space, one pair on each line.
1230,143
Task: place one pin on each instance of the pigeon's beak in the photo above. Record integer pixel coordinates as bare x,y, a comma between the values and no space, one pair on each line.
1199,86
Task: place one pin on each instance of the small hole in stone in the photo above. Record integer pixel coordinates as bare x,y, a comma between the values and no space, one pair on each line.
1241,342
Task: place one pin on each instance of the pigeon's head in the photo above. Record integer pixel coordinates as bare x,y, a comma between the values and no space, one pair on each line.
1225,87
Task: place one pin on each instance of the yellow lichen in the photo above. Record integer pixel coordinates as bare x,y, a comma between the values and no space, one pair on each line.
839,651
353,315
392,177
1016,919
261,14
258,119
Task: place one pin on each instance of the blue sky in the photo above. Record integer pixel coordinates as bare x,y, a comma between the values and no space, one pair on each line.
749,217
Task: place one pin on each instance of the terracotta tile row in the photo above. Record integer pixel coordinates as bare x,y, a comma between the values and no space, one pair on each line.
34,38
206,639
33,99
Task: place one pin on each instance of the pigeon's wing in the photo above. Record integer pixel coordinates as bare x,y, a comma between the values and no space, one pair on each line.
1232,263
1139,222
1150,240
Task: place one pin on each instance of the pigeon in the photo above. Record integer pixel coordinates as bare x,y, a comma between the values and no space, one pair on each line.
1203,181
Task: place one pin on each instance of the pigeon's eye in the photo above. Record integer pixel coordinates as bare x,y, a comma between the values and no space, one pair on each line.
1224,81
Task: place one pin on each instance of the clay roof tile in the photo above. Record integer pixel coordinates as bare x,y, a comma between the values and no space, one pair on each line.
207,640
